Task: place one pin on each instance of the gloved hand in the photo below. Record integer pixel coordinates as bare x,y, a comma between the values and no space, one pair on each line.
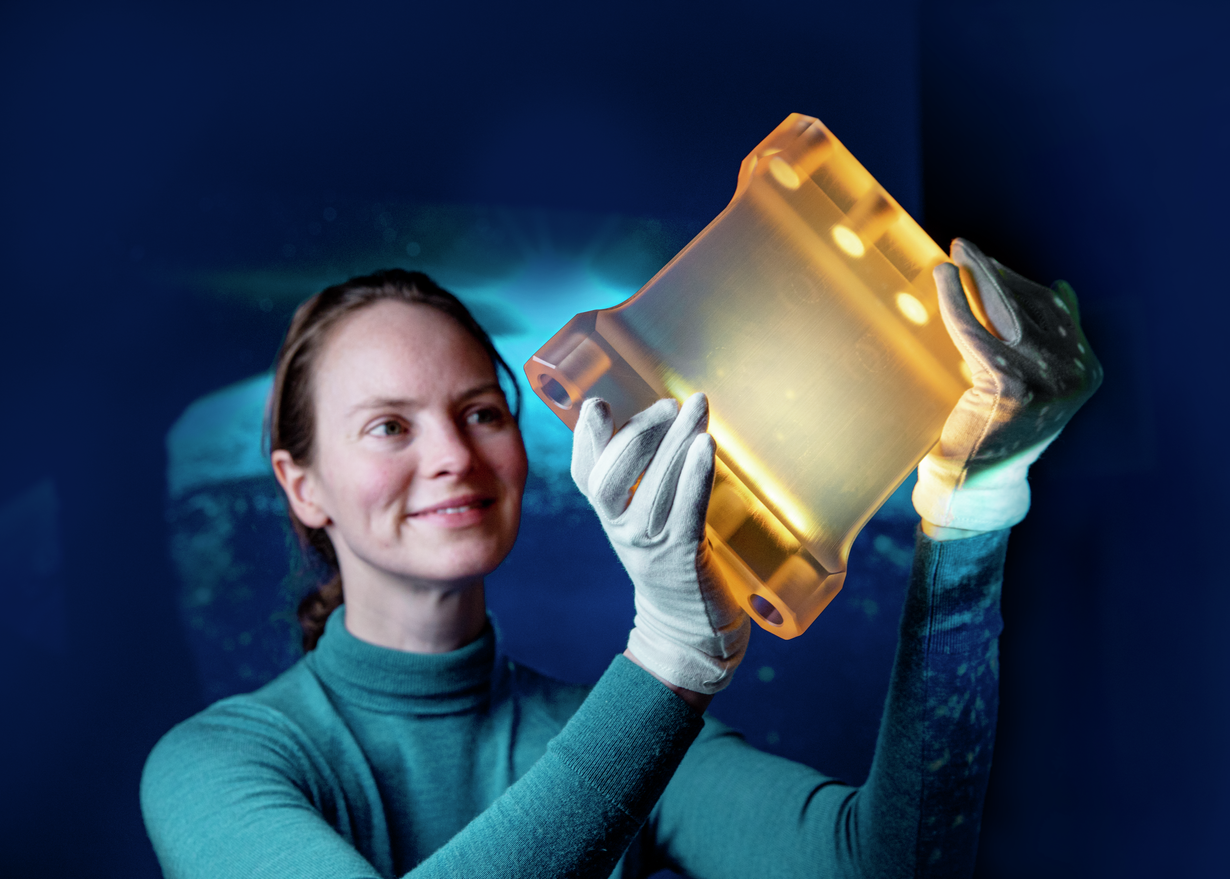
689,631
1027,383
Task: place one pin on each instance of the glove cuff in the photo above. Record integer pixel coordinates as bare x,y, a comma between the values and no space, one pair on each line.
690,666
953,493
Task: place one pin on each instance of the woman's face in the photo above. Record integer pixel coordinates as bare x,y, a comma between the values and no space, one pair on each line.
419,466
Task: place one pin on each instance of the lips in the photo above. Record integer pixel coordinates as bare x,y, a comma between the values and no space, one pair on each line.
458,506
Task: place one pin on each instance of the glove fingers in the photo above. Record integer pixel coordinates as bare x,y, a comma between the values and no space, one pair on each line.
982,274
970,337
1067,300
657,489
626,456
691,500
592,434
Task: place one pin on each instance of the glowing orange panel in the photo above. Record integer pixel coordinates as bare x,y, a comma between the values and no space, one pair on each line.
807,312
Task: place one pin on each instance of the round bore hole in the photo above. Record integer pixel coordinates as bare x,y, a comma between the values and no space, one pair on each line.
553,389
766,611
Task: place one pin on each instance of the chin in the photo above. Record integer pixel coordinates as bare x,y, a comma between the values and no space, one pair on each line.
464,564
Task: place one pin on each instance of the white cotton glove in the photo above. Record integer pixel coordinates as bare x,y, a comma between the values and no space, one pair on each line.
689,631
1027,384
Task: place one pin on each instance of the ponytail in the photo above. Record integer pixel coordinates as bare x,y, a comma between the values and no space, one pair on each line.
315,608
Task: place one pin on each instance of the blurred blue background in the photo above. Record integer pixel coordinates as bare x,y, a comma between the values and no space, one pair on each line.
176,179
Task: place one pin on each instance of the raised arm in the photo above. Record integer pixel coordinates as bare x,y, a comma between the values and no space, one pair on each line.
732,811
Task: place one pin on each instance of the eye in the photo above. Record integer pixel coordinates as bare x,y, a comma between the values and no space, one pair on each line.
390,427
486,415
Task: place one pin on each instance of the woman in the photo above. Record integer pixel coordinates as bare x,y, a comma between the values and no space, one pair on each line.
402,744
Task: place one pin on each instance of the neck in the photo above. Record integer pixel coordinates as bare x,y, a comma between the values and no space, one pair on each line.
413,617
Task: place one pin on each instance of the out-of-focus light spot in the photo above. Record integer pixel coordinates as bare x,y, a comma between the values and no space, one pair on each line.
915,312
330,214
847,239
413,249
966,373
783,173
898,555
766,673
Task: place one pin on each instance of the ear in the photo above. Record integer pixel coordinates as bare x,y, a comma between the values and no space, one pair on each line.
299,484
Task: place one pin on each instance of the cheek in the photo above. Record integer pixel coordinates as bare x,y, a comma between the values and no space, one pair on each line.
385,485
511,464
371,486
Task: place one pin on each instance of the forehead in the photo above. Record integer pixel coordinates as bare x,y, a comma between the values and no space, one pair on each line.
394,348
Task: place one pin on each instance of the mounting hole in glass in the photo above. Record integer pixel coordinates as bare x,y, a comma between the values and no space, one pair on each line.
553,389
765,610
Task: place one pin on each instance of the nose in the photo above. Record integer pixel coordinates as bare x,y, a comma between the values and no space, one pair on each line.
446,450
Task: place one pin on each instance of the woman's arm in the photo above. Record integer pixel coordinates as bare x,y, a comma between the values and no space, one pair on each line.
237,792
582,803
733,811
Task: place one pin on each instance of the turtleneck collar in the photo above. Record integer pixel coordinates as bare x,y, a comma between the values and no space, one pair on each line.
397,682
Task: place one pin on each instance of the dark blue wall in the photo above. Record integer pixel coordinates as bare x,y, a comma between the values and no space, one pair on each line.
145,146
1088,141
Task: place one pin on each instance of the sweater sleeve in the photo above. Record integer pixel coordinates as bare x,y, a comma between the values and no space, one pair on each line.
249,809
733,811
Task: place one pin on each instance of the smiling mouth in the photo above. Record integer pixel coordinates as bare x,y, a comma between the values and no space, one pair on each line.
454,509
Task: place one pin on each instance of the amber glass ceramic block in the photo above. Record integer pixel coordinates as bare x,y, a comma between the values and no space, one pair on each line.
807,312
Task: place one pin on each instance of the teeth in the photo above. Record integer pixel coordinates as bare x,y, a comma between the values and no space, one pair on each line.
457,509
452,511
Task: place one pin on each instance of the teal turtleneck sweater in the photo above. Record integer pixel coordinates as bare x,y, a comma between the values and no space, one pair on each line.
361,761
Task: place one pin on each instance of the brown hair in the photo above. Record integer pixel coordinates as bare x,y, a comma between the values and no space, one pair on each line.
291,417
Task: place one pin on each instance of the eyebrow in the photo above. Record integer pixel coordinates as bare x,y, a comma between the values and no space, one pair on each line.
408,403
